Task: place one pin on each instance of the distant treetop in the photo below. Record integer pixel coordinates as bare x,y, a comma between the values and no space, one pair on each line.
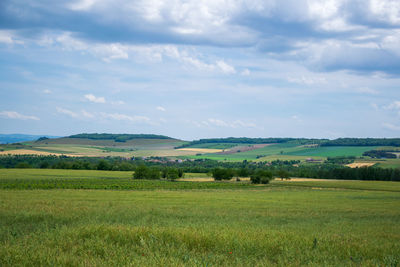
363,142
118,137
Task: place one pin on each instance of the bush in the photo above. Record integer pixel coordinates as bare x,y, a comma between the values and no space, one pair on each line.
261,177
44,165
222,174
283,174
103,165
23,165
143,172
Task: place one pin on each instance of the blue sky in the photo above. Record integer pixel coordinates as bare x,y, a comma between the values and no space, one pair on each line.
199,69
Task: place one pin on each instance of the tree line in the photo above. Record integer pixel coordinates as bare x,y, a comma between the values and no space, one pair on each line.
322,142
118,137
219,170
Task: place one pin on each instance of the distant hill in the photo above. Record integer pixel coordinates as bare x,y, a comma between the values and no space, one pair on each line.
115,140
304,141
118,137
16,138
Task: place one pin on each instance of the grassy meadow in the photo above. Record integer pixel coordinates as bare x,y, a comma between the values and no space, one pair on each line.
289,151
291,223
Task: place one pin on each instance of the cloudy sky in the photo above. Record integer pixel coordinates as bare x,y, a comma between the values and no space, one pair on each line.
201,68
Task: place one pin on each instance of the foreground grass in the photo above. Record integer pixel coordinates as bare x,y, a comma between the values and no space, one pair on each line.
342,184
274,226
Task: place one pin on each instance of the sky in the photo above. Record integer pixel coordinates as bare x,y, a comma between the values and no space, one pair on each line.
201,68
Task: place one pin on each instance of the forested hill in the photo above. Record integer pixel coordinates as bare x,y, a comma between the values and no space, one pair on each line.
322,142
246,140
118,137
363,142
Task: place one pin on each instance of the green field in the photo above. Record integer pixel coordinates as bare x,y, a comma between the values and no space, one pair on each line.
216,145
84,179
290,151
332,151
289,223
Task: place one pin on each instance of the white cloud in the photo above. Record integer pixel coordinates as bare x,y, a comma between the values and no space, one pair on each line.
6,37
367,90
216,122
16,115
307,80
245,72
391,126
87,114
67,112
112,51
161,108
82,5
386,10
95,99
124,117
226,68
119,102
222,123
239,123
47,91
395,105
296,118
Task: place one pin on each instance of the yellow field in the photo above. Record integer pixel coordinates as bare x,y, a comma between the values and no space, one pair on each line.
360,164
201,150
32,152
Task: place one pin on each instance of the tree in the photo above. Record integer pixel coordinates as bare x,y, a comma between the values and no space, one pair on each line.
143,172
242,172
261,177
140,172
222,174
283,174
103,165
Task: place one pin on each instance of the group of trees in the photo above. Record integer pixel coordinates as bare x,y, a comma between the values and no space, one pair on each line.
333,169
154,173
363,142
379,154
257,176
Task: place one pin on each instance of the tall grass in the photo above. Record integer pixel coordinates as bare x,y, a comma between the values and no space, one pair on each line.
272,226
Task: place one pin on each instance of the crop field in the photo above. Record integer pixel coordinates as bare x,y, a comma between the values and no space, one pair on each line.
86,179
287,223
291,151
215,145
201,150
142,150
270,150
389,163
360,164
332,151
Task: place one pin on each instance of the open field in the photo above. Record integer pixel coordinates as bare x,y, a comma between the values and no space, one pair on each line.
201,150
389,163
287,223
22,179
340,184
360,164
332,151
28,152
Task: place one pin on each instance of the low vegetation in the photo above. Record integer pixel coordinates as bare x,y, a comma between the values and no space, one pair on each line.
284,223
